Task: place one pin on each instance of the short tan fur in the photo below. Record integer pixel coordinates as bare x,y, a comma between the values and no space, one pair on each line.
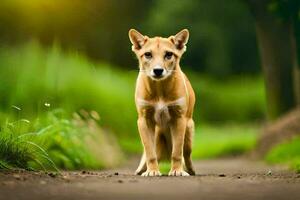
165,102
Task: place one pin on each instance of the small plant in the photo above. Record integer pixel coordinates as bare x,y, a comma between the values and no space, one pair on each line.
17,150
55,140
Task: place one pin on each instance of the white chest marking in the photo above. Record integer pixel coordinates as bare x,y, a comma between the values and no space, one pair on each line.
161,109
160,104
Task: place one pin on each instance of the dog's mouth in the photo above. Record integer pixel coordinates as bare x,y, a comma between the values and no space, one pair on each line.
158,77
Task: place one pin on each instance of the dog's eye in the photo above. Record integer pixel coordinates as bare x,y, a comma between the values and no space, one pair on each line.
148,55
168,55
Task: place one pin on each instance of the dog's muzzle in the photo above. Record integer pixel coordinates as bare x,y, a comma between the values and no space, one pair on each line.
158,72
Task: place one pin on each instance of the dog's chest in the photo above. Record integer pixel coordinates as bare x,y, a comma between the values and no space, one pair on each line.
162,112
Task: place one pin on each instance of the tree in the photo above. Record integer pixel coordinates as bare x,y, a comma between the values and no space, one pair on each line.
277,31
295,18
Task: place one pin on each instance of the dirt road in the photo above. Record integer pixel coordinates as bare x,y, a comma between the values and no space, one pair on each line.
216,179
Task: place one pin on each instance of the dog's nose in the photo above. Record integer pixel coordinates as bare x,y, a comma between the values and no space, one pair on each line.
158,72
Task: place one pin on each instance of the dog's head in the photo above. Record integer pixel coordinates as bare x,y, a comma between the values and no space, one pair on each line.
158,57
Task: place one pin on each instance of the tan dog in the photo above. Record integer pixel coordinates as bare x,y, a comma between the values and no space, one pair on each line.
165,101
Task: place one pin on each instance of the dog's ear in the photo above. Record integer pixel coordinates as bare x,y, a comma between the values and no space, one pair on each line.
180,39
137,39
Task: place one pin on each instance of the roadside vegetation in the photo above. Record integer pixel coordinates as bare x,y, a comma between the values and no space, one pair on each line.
53,141
286,153
60,111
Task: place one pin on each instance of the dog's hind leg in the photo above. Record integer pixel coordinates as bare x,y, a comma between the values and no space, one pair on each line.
187,148
160,144
142,166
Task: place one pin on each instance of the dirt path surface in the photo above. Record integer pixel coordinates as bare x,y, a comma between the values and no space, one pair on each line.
216,179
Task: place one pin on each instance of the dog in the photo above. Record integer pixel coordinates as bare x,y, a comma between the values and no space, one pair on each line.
165,102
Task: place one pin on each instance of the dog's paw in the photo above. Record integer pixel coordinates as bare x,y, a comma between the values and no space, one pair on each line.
151,173
179,172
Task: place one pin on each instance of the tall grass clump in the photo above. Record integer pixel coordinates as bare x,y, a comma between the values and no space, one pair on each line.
13,151
55,140
17,151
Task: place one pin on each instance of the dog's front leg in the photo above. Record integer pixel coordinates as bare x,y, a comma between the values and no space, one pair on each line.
177,133
146,130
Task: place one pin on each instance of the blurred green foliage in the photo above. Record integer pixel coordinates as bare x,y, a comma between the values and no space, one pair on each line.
286,153
222,40
240,99
32,76
222,140
39,81
219,43
52,141
62,61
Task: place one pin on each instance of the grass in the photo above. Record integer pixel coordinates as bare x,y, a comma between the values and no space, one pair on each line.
17,150
222,140
40,81
286,153
164,167
14,152
53,141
